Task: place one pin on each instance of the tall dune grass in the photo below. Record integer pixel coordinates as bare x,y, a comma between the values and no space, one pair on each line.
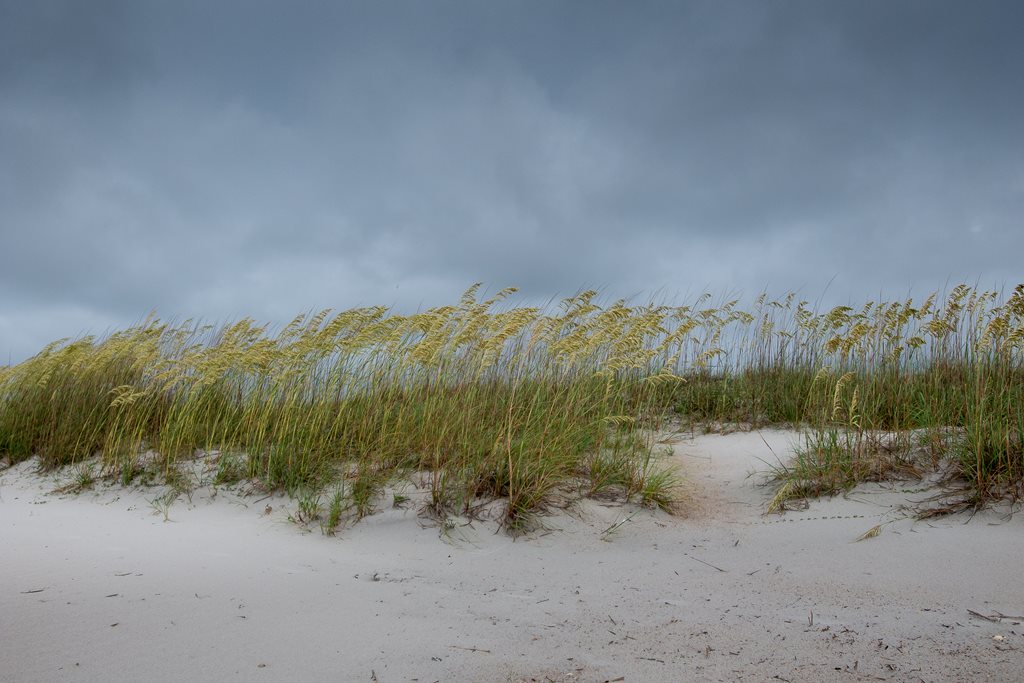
499,401
514,403
876,387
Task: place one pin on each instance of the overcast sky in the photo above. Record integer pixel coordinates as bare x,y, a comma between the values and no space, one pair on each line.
223,159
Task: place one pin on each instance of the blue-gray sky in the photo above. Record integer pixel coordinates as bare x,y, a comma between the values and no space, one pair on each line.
223,159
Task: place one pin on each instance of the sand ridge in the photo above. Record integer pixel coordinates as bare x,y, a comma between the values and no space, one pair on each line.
99,587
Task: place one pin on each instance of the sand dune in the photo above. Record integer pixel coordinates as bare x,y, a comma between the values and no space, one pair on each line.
100,587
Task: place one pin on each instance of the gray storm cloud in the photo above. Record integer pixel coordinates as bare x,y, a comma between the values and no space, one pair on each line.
229,159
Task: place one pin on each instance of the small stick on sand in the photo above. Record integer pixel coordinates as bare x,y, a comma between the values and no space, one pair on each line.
724,571
470,649
996,617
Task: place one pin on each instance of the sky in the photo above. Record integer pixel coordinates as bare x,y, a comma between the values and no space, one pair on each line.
222,159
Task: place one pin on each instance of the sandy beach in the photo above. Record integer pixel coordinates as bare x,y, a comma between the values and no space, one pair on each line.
102,586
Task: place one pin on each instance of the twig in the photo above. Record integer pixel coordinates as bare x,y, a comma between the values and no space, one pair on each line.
724,571
1007,616
470,649
995,617
615,527
982,616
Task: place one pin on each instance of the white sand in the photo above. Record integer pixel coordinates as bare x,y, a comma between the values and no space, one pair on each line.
98,587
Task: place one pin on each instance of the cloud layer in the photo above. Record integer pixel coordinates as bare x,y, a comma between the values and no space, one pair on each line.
239,158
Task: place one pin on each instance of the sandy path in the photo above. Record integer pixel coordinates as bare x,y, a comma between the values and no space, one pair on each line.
99,588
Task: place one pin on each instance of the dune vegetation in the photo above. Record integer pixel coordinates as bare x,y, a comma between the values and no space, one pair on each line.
487,400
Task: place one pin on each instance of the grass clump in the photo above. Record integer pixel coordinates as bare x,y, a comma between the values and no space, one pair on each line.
334,512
